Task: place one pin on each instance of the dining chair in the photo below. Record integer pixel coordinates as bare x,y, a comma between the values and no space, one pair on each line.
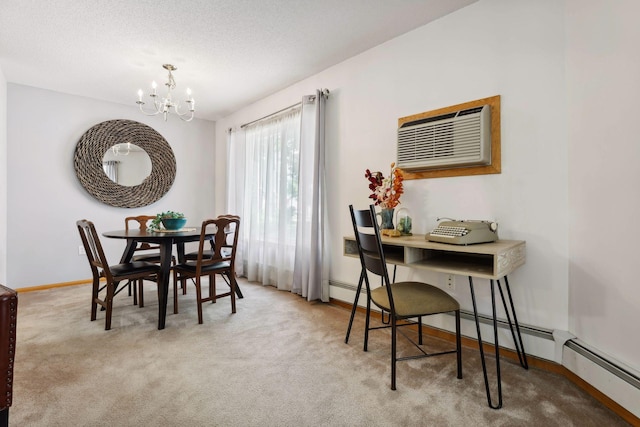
145,252
228,235
113,275
220,259
400,300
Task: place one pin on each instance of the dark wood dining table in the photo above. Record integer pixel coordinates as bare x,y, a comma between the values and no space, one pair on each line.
166,240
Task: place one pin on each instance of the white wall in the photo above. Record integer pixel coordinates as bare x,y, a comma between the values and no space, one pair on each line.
45,199
603,65
514,49
3,179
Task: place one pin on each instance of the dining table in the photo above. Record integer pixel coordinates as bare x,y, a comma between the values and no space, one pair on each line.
165,239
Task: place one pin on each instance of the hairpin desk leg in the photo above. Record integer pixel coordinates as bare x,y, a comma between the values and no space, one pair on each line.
522,356
497,347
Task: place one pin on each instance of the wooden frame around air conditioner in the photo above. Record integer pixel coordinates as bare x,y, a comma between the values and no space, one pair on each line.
494,167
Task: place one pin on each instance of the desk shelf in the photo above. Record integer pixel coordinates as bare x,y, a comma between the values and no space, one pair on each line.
484,260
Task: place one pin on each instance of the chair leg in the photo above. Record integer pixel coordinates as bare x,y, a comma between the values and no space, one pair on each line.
199,298
175,292
232,284
212,288
366,323
235,284
458,345
393,352
141,294
109,301
420,330
94,297
354,308
134,284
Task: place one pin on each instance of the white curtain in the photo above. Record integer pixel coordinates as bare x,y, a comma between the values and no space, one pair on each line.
110,168
270,202
235,188
311,270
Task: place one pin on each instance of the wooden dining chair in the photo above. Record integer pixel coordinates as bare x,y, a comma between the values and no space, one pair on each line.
400,300
228,235
116,276
143,252
220,259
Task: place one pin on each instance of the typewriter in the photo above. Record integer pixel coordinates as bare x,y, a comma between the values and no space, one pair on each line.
467,232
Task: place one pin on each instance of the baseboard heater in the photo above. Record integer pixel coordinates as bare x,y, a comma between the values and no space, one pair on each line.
585,351
574,344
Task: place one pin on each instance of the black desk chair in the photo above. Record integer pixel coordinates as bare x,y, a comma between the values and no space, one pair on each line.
401,300
114,275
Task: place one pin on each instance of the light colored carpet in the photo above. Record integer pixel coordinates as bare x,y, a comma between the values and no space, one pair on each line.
279,361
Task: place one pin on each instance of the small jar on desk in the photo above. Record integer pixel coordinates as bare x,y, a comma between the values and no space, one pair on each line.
403,222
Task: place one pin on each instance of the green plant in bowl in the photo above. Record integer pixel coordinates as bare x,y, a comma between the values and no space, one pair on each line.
170,221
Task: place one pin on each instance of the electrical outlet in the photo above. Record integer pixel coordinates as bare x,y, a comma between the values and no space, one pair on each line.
451,282
81,250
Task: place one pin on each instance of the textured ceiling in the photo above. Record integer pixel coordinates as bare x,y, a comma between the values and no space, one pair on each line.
229,52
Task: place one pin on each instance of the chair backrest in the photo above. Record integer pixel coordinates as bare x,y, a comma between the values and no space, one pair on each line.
224,242
367,233
142,222
230,232
93,248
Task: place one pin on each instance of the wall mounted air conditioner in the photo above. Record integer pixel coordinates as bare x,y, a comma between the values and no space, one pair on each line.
458,139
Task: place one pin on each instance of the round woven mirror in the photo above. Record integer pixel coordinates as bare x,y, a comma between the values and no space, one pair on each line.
88,163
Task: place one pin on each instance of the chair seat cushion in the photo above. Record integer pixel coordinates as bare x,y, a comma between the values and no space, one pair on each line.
190,266
412,299
147,257
135,267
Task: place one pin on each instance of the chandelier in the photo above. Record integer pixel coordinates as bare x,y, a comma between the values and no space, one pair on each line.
165,105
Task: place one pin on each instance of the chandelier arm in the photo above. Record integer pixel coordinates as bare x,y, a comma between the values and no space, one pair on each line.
186,120
190,112
146,113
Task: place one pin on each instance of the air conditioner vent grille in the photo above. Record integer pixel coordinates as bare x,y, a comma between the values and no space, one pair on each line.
452,140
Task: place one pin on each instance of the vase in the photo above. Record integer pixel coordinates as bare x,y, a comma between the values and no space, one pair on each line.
387,219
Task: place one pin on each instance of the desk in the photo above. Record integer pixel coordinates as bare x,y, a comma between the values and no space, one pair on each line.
165,240
492,261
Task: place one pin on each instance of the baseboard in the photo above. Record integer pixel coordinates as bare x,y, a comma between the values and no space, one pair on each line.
54,285
611,384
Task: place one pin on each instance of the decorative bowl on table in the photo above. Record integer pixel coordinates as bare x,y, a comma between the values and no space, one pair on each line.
174,223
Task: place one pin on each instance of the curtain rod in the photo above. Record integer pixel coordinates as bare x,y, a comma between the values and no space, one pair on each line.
272,114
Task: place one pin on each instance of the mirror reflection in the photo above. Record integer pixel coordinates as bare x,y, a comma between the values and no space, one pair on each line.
126,164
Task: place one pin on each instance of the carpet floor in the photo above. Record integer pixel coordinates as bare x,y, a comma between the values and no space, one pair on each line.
279,361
